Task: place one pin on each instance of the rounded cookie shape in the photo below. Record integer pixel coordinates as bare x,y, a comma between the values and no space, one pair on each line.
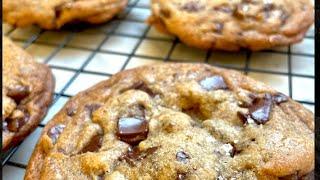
176,121
54,14
233,24
26,93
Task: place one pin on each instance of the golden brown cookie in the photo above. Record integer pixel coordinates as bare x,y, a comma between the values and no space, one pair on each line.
26,93
53,14
234,24
176,121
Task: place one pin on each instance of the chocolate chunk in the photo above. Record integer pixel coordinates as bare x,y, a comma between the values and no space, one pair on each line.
241,10
18,92
234,150
140,85
182,157
284,17
18,118
132,130
71,111
101,177
268,7
243,117
181,176
143,87
213,83
218,27
94,145
279,98
4,125
261,109
192,6
90,108
134,154
223,8
55,131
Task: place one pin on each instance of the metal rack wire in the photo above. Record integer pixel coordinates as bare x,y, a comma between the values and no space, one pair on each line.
143,5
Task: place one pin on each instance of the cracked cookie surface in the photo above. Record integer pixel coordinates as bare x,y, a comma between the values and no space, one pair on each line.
176,121
233,24
53,14
26,93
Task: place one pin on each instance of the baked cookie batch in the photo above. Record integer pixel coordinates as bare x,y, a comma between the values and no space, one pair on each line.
167,121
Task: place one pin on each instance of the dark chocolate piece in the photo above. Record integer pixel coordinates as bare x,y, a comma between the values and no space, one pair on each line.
132,130
182,157
55,131
213,83
94,145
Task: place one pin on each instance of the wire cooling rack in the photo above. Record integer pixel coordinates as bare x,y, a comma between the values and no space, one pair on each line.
81,56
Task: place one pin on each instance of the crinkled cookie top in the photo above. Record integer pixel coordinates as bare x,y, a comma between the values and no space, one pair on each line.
177,121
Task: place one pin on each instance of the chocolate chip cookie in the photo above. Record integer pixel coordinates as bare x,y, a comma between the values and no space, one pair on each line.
234,24
55,13
26,93
176,121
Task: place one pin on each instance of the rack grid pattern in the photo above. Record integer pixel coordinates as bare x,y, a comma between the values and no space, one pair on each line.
81,56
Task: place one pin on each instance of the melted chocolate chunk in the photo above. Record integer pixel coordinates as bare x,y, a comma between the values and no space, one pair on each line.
55,131
71,111
90,108
234,151
181,176
94,145
140,85
182,157
279,98
132,130
4,125
143,87
243,117
223,8
268,7
284,17
213,83
17,119
101,177
192,6
218,27
240,11
134,154
18,92
261,109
